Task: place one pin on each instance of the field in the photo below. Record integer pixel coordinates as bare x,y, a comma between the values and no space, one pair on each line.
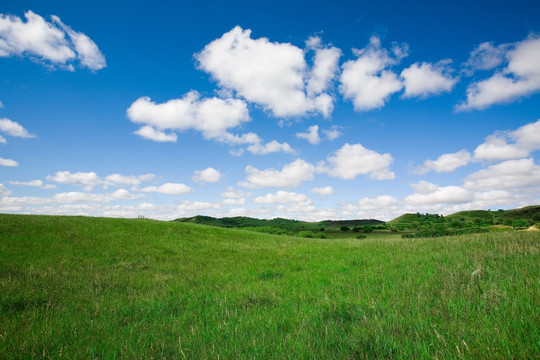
81,288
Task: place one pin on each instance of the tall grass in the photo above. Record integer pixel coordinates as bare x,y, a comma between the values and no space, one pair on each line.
80,288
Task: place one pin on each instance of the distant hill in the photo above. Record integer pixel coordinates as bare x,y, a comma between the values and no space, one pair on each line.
285,224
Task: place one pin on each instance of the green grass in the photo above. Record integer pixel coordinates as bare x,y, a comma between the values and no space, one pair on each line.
80,288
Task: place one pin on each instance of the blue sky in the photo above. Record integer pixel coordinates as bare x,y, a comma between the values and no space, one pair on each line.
312,110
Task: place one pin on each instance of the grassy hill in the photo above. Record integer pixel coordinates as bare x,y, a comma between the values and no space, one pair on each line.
79,288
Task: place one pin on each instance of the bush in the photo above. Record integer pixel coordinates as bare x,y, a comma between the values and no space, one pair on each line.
520,224
306,234
367,229
407,236
344,228
321,235
361,236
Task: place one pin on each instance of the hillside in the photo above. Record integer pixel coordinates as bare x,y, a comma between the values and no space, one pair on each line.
79,288
285,224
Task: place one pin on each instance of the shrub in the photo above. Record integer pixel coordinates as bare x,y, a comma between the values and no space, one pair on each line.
344,228
361,236
367,229
306,234
407,236
520,224
321,235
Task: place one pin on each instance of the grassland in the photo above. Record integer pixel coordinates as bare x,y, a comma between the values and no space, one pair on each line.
82,288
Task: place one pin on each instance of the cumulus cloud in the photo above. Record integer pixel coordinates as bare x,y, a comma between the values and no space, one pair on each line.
332,134
507,175
14,129
87,51
520,77
33,183
270,147
429,194
353,160
367,81
88,180
423,80
312,135
290,176
210,175
271,74
327,190
213,117
85,179
505,145
485,57
148,132
52,43
168,188
8,162
283,197
446,162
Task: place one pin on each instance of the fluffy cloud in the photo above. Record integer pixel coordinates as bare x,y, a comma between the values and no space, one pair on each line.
234,194
51,42
431,194
85,179
485,57
366,80
148,132
8,162
353,160
33,183
312,135
213,117
507,175
289,177
210,175
271,74
327,190
270,147
283,197
168,188
446,162
426,79
88,180
332,134
505,145
521,76
84,197
14,129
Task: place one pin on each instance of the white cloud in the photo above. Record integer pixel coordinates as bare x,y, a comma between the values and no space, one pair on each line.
87,51
118,179
509,175
431,194
1,105
210,175
485,57
168,188
85,179
271,74
51,42
213,117
14,129
84,197
191,207
523,141
325,66
332,134
521,76
327,190
4,191
353,160
446,162
230,201
234,194
366,80
283,197
2,140
148,132
8,162
289,177
270,147
426,79
33,183
312,135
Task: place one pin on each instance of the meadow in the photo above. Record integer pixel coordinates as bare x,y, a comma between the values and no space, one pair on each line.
83,288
